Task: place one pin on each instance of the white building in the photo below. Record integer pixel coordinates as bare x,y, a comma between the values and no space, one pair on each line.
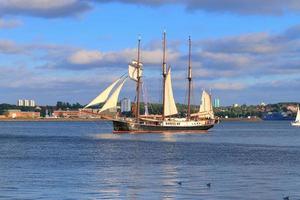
32,103
235,105
125,105
20,102
26,103
216,102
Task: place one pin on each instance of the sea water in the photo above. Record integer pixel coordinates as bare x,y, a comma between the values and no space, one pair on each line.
84,160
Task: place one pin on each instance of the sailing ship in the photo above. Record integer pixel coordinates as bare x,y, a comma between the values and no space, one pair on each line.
297,120
168,121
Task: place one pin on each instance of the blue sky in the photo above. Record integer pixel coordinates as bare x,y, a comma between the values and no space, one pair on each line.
69,50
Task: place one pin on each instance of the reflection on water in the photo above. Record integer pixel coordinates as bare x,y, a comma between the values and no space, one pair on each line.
106,136
168,137
157,136
82,160
169,181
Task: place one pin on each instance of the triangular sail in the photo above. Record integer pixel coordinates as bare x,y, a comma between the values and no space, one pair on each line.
206,105
298,115
113,99
102,97
170,105
132,70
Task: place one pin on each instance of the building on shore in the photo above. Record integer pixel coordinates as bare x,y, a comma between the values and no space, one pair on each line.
32,103
66,114
235,105
15,114
125,105
26,103
72,114
20,102
216,103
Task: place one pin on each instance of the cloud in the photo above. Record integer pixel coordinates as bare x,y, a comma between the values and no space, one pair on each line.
43,51
266,91
9,24
256,63
249,55
254,55
227,86
65,8
10,47
85,57
257,54
257,43
46,88
44,8
251,7
82,59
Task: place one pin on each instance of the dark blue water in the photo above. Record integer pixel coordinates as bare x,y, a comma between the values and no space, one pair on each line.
83,160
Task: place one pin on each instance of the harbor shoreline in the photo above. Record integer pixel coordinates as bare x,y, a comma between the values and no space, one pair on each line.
52,120
257,119
100,119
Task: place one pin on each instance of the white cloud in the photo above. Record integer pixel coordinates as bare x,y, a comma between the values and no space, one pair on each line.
43,8
227,86
235,64
243,7
85,57
8,24
63,8
10,47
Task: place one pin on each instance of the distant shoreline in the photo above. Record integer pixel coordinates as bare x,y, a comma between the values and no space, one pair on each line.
99,119
257,119
52,120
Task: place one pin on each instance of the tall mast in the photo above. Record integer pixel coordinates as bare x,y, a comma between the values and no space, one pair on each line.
164,73
190,81
137,112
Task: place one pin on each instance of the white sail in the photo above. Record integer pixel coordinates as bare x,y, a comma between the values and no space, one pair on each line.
113,99
132,70
206,109
298,115
170,106
103,95
134,63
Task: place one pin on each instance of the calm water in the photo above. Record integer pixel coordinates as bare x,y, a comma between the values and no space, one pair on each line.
83,160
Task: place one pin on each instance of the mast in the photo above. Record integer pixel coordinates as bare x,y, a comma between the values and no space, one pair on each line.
137,112
164,73
190,81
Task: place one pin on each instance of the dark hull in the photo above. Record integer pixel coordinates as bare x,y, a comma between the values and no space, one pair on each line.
123,126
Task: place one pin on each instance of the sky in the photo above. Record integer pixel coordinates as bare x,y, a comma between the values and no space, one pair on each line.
70,50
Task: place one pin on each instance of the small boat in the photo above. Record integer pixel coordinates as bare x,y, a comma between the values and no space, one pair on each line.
297,120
